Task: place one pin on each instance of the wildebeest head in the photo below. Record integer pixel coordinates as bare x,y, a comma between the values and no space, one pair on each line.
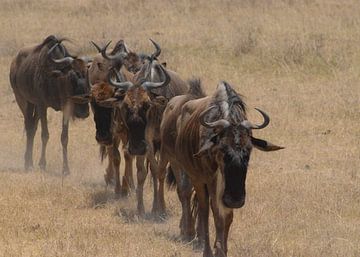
134,109
102,98
71,72
227,138
120,56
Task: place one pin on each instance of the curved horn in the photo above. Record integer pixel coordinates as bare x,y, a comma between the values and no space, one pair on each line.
247,124
53,48
120,56
157,51
96,46
222,123
152,85
121,85
118,75
66,60
58,43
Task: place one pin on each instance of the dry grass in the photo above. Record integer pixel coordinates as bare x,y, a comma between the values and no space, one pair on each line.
298,60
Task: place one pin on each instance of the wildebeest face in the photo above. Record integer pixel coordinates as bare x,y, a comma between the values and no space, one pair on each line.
232,153
134,109
132,62
230,144
79,86
134,115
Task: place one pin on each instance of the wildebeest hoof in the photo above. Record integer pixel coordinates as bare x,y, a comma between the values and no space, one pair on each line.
109,180
42,167
219,252
125,192
66,172
159,216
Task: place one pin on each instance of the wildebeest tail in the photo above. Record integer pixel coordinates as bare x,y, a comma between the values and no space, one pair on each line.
195,88
103,153
170,178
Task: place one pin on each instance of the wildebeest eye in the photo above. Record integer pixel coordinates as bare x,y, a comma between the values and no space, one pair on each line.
100,66
146,105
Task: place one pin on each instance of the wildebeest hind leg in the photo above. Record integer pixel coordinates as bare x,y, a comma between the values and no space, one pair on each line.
31,121
116,161
161,176
44,136
184,191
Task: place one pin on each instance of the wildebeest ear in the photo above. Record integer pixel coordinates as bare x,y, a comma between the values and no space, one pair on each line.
109,103
160,100
263,145
204,149
80,99
163,64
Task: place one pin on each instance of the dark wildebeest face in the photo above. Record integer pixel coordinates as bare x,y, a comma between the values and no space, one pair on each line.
101,97
71,71
102,114
134,109
228,139
79,86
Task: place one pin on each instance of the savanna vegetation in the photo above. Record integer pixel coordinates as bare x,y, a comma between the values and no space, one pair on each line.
297,60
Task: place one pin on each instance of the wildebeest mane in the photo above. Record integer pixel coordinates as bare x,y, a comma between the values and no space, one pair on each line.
229,105
49,40
195,88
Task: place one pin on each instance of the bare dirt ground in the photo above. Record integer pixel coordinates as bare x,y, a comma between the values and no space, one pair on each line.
297,60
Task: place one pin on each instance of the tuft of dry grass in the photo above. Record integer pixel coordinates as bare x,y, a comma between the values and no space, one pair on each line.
297,60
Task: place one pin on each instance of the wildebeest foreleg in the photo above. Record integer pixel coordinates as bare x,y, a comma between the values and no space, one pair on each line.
128,180
141,176
116,161
44,136
31,121
222,223
64,143
154,173
109,172
203,201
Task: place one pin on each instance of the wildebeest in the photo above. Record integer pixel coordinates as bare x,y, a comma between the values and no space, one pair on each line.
213,142
43,76
103,63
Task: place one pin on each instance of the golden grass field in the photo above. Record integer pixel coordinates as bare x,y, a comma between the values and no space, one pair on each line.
299,60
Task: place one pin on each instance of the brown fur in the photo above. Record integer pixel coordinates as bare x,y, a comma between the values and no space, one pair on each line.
182,137
39,83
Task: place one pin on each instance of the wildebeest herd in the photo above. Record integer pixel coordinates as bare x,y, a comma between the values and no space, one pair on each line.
201,143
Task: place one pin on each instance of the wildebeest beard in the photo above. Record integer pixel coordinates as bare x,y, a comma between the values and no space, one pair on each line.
235,169
103,119
137,143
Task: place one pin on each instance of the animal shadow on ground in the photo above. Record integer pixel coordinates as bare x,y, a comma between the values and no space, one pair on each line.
176,238
99,198
130,215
